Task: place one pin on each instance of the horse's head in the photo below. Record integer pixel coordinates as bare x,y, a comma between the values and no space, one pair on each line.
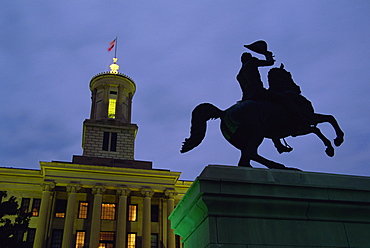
281,80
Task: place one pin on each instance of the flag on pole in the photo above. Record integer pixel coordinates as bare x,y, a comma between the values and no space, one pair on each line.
111,45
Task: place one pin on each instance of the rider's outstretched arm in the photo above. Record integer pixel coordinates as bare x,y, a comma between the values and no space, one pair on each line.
269,60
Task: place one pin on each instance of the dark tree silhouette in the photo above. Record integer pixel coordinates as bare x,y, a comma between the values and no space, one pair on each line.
13,223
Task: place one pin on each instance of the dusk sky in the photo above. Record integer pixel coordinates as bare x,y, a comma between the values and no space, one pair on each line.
180,54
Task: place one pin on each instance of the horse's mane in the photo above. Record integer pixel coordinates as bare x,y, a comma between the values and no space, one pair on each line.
281,80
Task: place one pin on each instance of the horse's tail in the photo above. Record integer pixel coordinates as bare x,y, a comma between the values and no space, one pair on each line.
199,117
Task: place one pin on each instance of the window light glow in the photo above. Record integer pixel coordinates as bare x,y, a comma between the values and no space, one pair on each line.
106,236
131,240
108,211
36,207
132,213
82,212
60,215
25,205
106,240
80,239
112,108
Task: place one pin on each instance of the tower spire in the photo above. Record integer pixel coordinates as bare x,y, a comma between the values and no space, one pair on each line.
115,48
114,67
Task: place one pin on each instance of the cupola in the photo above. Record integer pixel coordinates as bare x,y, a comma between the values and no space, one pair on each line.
109,132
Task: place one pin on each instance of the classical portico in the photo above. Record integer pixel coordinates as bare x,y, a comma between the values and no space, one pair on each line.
107,205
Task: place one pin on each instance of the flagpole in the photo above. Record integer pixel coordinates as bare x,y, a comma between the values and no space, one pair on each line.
115,49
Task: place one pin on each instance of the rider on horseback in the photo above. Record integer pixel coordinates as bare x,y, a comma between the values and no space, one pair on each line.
279,112
251,84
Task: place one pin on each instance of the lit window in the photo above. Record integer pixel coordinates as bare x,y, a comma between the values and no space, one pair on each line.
112,104
36,207
106,245
80,239
106,240
132,212
82,211
109,141
112,108
108,211
60,208
154,240
25,205
60,215
131,240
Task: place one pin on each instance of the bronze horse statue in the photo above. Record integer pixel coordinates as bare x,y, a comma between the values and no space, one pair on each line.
245,124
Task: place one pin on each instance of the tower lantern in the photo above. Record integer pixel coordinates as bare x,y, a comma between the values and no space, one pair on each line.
112,94
109,132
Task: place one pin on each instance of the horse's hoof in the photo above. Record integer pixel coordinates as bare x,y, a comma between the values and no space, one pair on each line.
338,141
329,151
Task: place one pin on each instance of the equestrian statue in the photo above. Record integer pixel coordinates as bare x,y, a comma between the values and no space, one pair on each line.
275,113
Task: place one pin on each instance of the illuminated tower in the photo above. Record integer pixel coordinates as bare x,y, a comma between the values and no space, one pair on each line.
109,132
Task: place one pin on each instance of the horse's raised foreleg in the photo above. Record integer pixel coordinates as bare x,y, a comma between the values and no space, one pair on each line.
338,131
329,148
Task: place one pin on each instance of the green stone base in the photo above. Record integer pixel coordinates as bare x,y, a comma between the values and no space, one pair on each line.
236,207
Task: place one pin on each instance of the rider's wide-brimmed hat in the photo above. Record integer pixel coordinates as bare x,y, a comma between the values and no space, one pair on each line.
258,47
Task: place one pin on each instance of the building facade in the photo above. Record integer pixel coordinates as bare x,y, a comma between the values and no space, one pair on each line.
104,198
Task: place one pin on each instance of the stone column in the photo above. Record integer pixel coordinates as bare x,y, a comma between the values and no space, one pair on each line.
119,109
68,236
93,105
105,101
98,192
122,217
171,242
146,231
43,216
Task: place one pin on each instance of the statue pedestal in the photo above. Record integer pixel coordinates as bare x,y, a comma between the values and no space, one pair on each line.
238,207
